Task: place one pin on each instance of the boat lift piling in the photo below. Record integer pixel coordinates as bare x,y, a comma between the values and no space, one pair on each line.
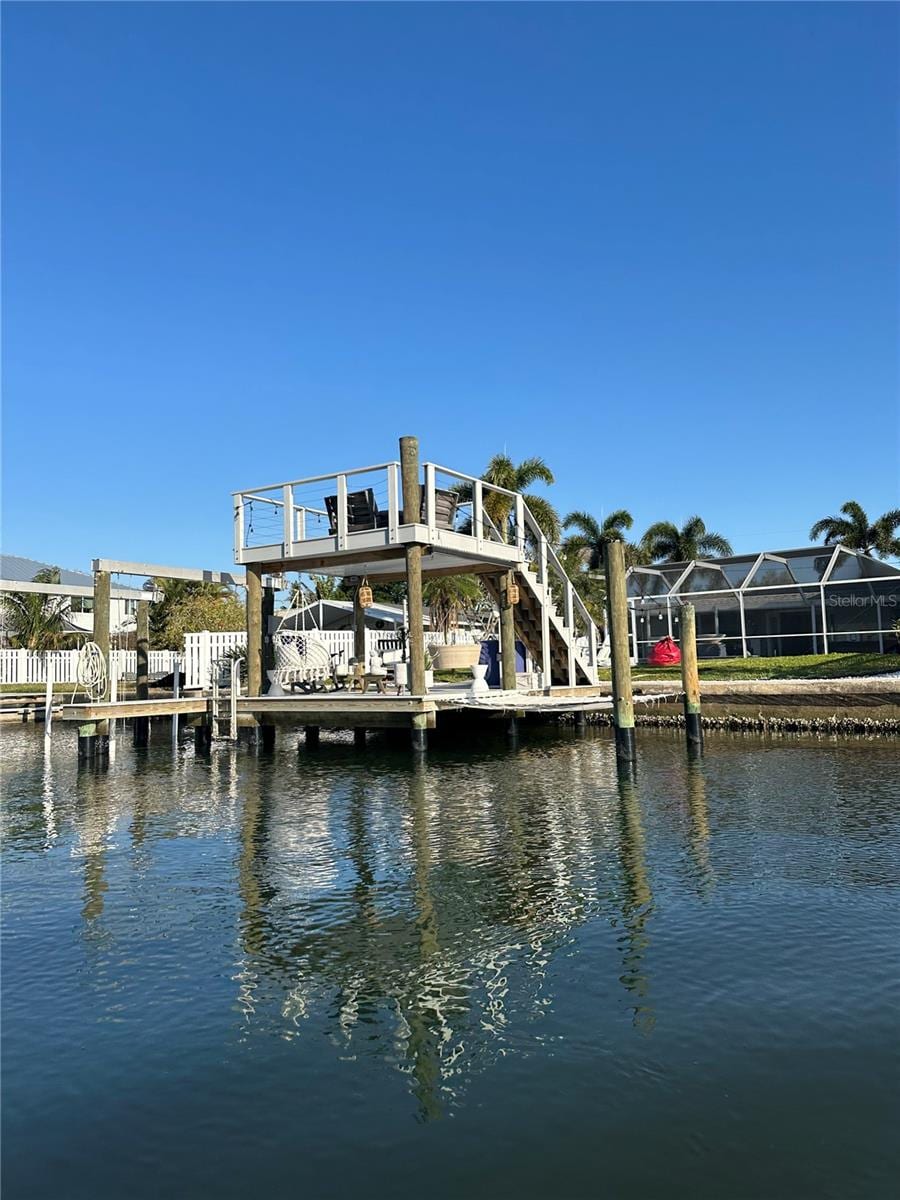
620,657
690,679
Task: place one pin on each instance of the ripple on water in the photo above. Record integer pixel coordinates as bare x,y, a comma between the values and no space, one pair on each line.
320,955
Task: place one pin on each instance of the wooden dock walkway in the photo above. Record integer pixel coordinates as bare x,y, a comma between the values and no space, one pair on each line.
329,711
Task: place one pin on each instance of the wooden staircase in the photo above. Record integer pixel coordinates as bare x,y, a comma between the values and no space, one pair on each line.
569,650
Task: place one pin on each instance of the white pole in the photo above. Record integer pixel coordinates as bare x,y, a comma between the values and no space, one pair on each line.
824,619
546,666
176,694
634,637
744,650
113,697
48,706
235,692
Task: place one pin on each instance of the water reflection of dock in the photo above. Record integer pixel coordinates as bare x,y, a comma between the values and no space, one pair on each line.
444,976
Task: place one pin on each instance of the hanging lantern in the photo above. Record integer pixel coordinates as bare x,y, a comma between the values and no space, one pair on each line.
364,594
512,594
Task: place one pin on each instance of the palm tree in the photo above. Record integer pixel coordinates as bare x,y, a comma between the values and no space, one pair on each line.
447,596
329,587
588,582
502,472
592,535
665,542
854,531
173,593
34,621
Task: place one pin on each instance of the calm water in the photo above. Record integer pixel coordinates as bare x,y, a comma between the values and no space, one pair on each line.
498,974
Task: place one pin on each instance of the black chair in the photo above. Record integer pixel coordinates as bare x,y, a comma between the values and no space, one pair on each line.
445,505
362,512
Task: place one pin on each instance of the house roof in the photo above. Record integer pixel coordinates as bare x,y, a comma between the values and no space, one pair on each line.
16,569
809,565
23,570
379,612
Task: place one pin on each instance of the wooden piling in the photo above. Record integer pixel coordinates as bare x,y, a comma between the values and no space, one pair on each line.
359,630
690,678
203,737
507,632
101,620
412,505
419,733
141,726
359,738
311,735
254,630
617,604
93,738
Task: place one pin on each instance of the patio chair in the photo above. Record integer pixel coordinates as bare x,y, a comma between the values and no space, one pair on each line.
445,504
300,660
362,512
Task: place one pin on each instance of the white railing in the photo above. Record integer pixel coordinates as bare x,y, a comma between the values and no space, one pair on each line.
330,509
29,667
203,650
583,644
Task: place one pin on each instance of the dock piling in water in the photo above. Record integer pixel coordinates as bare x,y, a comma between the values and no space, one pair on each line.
620,658
412,506
690,678
140,731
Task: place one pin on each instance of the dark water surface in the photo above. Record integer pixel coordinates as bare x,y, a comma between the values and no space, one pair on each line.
502,973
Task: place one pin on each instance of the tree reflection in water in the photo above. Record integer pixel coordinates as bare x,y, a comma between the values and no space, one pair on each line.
424,930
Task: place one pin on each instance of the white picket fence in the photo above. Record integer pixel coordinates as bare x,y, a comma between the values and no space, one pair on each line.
25,666
201,652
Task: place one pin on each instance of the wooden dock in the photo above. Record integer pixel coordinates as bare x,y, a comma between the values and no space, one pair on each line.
322,709
343,710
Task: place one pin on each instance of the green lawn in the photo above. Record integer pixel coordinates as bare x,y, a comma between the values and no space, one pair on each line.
789,666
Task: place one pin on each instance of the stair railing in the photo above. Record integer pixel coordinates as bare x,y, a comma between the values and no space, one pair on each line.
572,602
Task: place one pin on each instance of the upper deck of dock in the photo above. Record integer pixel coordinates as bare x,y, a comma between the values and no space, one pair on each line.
355,518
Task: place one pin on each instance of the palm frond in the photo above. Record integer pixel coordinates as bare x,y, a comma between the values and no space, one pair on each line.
532,470
588,526
617,521
546,516
714,545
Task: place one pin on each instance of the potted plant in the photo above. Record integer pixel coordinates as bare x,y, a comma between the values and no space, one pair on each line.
429,669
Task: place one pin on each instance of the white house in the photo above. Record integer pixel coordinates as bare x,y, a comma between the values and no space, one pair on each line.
75,590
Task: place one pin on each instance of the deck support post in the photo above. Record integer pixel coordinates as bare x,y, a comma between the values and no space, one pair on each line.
311,737
141,726
359,630
254,630
203,737
690,679
412,505
92,744
617,601
580,722
419,733
507,632
101,637
359,738
512,728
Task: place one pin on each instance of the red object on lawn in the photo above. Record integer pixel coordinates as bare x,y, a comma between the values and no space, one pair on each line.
665,653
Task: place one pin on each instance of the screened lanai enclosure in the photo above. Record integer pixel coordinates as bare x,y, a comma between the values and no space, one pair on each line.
818,600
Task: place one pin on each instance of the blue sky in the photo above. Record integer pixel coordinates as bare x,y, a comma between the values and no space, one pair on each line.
245,243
